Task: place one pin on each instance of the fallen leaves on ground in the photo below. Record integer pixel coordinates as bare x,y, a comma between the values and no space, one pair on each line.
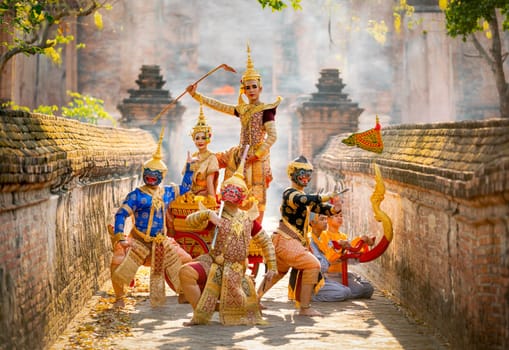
104,322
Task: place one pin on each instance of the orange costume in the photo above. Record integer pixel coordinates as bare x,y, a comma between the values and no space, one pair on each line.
204,162
327,243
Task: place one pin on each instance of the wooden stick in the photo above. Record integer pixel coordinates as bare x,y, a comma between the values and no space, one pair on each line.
174,102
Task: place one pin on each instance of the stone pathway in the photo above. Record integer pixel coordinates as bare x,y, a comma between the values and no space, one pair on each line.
375,323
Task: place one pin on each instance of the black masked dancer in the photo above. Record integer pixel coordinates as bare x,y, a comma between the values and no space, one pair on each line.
291,239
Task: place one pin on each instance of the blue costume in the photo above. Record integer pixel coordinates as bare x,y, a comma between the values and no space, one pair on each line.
139,203
148,243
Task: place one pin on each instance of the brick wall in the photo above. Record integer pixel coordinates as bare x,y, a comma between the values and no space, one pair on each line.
447,192
60,183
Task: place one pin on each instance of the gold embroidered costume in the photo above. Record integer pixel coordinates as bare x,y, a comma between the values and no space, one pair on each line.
258,130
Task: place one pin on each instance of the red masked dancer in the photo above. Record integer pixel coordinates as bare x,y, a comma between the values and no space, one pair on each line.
218,279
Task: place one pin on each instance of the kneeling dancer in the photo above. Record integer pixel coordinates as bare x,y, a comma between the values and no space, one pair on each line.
148,243
217,280
291,240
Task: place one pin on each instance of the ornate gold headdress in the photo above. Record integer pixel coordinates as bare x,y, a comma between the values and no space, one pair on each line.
237,179
202,126
156,163
299,163
250,74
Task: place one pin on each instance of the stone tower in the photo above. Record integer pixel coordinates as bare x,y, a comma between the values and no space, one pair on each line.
144,104
328,112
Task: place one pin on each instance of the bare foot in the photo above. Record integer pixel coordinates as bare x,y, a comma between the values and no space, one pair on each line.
309,312
261,306
189,323
182,299
119,303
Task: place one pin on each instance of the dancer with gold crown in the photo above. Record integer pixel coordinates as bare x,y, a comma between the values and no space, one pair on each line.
220,275
203,162
147,241
291,239
258,130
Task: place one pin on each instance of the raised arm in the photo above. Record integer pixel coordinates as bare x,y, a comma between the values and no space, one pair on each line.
210,102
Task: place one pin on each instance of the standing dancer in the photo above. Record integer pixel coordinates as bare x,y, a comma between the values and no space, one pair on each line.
258,130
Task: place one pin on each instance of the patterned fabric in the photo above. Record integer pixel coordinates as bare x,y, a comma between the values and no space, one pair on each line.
227,282
148,206
165,259
370,140
253,118
205,165
294,208
139,204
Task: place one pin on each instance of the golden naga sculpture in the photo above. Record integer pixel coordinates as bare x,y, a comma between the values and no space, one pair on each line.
361,251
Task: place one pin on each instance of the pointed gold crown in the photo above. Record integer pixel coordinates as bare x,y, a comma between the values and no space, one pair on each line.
250,73
237,179
156,162
202,126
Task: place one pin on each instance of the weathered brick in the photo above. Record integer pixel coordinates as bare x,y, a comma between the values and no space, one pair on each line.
450,220
51,261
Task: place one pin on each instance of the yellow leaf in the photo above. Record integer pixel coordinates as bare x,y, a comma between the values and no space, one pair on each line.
98,20
488,34
442,4
397,23
53,54
485,26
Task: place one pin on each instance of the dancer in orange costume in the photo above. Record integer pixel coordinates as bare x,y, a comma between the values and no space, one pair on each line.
328,245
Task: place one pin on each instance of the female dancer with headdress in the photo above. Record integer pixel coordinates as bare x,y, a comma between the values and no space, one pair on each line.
203,162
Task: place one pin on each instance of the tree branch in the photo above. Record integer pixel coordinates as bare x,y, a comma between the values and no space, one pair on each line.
482,51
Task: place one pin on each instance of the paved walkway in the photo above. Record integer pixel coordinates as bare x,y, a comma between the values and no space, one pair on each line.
375,323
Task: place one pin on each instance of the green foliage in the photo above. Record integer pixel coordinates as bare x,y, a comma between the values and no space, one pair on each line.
84,108
14,107
278,5
466,17
39,27
49,110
